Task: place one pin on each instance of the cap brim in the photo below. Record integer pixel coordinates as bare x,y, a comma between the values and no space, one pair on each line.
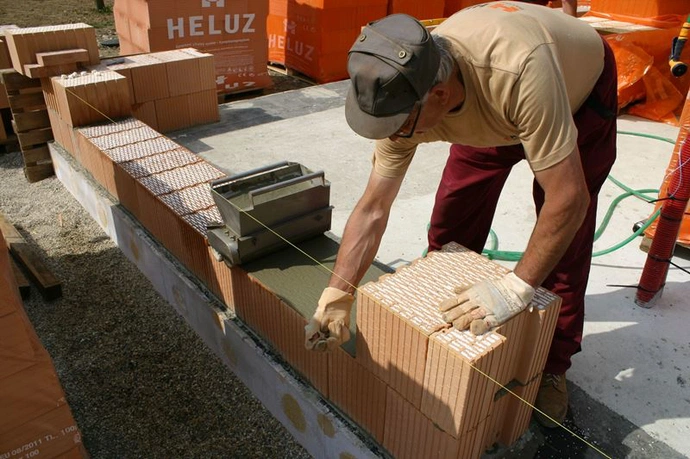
371,127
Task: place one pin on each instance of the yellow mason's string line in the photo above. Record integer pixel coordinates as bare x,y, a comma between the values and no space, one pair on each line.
471,366
326,268
88,104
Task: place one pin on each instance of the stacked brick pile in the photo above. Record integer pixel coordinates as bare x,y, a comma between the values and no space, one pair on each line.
313,37
450,382
170,90
39,52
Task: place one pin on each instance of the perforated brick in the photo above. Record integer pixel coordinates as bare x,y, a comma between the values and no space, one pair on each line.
122,138
201,219
168,160
183,177
189,200
110,128
140,150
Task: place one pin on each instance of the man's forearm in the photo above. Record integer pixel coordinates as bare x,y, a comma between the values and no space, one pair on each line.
361,240
553,233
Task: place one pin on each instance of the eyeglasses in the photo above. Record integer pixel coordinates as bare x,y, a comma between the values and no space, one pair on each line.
407,129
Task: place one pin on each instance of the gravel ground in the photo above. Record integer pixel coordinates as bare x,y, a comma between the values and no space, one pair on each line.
139,381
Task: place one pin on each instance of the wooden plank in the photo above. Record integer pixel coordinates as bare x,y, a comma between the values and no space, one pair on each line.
22,281
49,285
68,56
20,101
38,172
29,121
35,155
14,81
35,137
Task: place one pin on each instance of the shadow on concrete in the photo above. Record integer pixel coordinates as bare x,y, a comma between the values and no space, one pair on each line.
243,114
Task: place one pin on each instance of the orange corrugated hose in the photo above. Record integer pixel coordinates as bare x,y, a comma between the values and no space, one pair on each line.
674,198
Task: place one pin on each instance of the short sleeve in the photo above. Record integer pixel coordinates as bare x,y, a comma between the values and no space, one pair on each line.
541,111
392,158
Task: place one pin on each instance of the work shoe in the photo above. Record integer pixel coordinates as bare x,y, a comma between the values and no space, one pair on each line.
552,400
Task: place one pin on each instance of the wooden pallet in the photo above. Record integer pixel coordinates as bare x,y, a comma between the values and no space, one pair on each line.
285,70
30,122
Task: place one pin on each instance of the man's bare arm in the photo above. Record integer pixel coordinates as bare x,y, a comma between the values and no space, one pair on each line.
363,231
565,206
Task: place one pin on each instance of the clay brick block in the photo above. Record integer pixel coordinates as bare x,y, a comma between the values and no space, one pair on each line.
458,392
207,68
410,434
92,98
5,59
356,391
149,78
41,71
25,43
447,375
194,230
183,71
48,94
172,113
139,150
179,178
220,280
126,187
165,161
511,414
280,325
146,113
189,200
122,65
67,56
203,107
104,129
390,347
120,138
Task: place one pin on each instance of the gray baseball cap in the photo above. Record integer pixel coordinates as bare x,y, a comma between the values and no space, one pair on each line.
392,65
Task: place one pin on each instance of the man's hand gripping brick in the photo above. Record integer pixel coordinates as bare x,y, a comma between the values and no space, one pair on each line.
487,304
330,325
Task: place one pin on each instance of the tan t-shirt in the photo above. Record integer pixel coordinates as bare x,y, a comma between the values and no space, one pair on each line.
526,70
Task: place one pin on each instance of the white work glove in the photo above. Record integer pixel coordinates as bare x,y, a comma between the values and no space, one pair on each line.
487,304
330,325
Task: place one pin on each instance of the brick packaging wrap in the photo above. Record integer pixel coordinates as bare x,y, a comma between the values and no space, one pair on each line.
35,419
314,36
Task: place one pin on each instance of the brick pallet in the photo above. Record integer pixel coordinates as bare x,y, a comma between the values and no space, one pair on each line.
30,122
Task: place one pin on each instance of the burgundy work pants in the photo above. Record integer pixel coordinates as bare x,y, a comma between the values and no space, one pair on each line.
471,185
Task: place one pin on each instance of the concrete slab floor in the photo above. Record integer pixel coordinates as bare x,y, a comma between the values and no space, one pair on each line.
630,385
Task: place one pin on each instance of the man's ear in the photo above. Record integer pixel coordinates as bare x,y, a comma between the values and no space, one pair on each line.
440,92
